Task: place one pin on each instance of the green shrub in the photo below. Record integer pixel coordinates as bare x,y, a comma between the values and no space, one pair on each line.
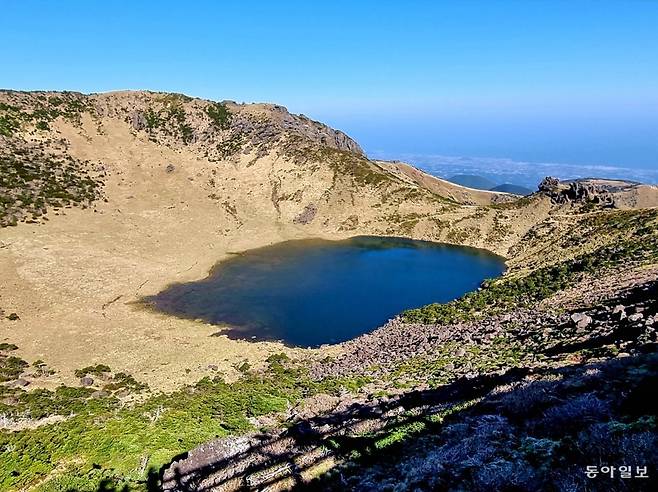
8,125
11,367
123,381
219,115
97,370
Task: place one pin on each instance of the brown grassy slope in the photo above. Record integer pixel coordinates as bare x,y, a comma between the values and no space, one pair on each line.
180,191
458,193
182,183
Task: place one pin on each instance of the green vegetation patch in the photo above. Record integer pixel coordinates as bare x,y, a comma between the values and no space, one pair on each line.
342,162
219,115
122,381
103,440
451,359
403,224
514,204
170,119
97,370
33,181
10,120
633,240
231,145
11,367
41,403
42,111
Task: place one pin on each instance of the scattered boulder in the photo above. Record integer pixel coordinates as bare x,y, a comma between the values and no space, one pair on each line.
581,320
138,120
86,381
170,168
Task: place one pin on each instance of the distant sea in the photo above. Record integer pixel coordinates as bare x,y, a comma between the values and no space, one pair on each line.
529,174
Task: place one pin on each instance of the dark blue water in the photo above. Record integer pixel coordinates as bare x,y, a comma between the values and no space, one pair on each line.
311,292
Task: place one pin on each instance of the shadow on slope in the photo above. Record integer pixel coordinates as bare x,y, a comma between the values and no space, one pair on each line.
522,430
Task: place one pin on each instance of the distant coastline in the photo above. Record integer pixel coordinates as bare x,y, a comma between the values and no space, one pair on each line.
528,174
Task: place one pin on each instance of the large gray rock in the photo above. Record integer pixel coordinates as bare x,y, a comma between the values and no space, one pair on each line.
581,320
86,381
138,120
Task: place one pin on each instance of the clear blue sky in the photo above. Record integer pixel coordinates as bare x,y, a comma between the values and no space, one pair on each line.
555,81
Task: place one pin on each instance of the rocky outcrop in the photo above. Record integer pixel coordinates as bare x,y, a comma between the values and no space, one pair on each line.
307,215
576,192
170,118
549,185
604,193
315,131
275,123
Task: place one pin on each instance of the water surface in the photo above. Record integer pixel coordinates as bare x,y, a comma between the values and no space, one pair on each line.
311,292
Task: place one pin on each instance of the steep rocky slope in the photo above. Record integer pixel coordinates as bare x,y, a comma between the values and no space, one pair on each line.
107,198
250,159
